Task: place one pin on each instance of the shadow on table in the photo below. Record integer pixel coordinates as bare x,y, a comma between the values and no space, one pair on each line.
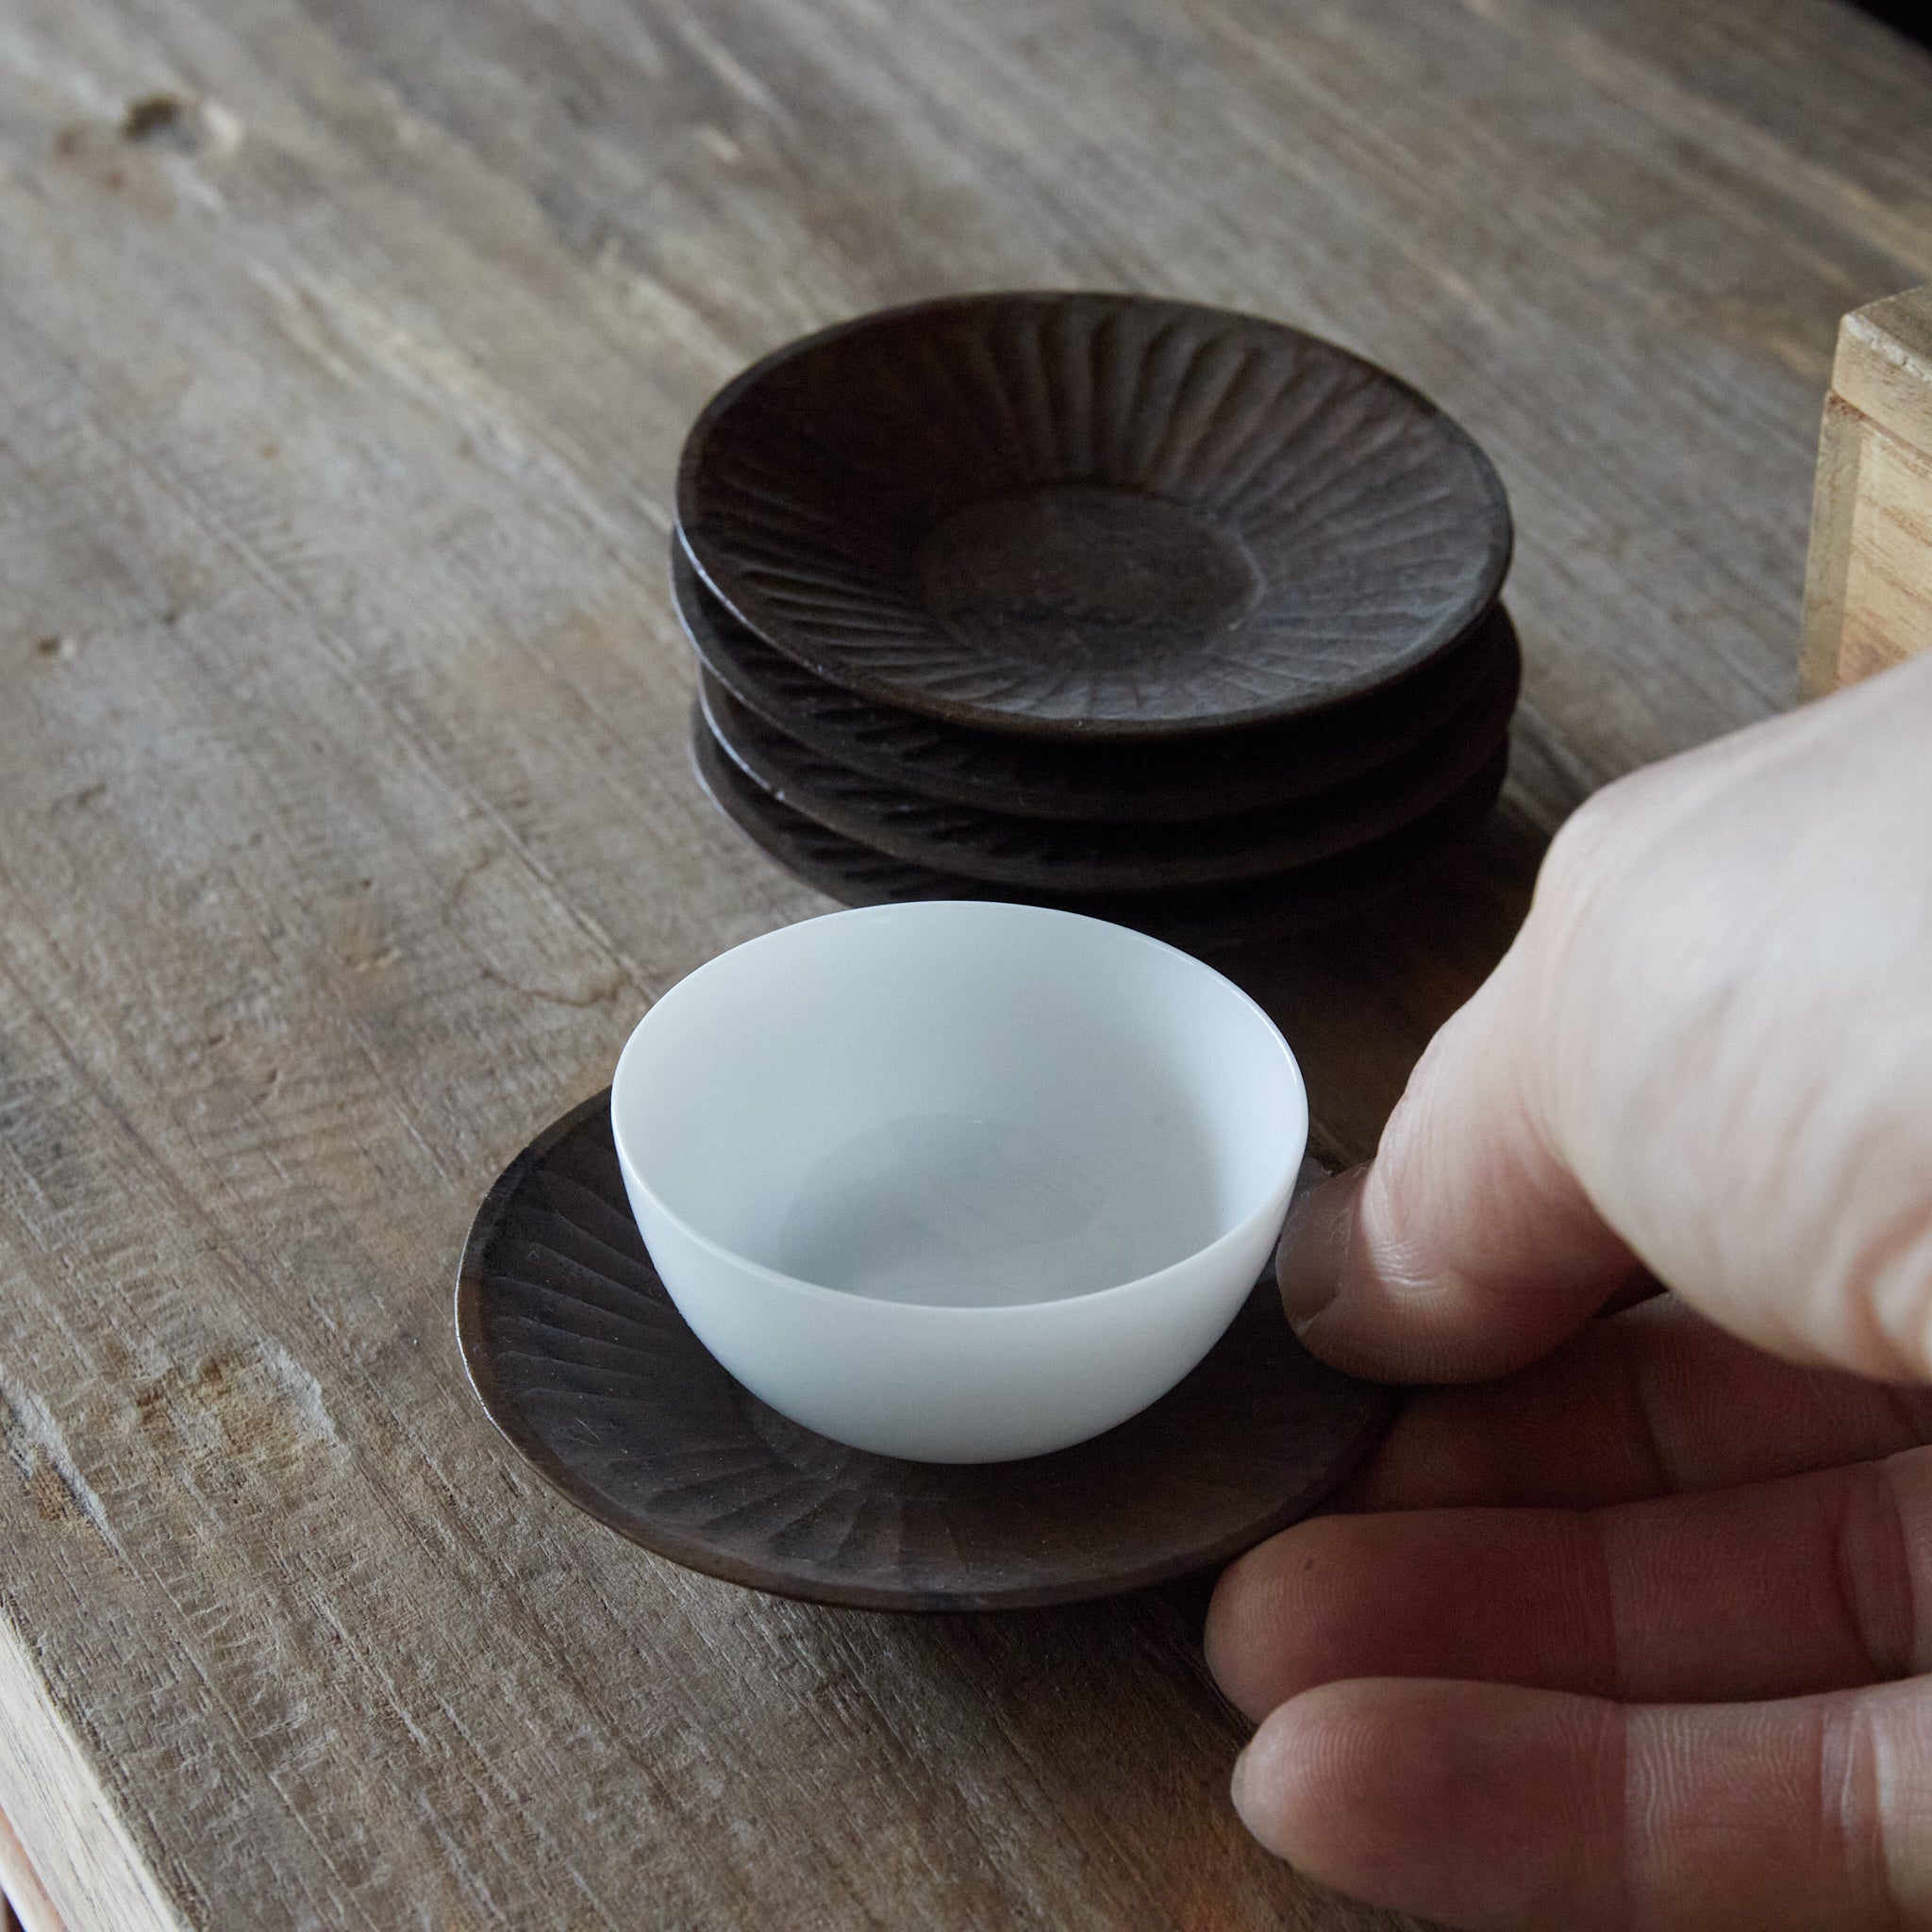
1359,1001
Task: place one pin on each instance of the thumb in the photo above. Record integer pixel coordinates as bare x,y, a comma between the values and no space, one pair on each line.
1467,1247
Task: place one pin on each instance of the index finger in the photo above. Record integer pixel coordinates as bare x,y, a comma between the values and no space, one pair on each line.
1467,1247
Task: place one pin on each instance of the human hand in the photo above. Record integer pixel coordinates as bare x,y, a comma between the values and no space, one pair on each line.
1629,1637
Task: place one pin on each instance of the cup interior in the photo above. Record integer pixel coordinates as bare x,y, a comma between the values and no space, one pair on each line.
961,1104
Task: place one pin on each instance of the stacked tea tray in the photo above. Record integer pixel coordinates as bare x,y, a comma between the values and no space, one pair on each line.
1178,617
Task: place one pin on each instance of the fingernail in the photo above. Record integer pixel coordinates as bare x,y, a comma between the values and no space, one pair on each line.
1314,1246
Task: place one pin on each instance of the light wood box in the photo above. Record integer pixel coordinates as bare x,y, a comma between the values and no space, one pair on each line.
1868,579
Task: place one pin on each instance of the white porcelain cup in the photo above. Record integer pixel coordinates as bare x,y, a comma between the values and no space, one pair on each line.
959,1181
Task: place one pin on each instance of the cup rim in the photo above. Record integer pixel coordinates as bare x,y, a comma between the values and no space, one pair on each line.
1138,1285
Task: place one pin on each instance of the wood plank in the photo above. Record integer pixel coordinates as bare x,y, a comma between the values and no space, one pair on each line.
349,829
53,1798
25,1906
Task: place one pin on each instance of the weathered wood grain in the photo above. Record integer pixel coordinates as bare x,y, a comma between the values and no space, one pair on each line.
347,828
1868,574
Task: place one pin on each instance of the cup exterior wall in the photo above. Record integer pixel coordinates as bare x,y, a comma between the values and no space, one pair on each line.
954,1385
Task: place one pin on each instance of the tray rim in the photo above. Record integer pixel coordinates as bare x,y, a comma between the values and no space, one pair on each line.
1450,759
773,826
705,623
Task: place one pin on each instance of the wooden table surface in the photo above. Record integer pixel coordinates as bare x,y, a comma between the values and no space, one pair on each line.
345,829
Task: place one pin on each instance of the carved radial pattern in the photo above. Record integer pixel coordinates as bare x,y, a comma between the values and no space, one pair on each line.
1201,918
1091,515
1141,780
584,1363
1006,849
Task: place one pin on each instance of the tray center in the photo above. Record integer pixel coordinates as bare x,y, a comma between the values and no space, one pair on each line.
1083,569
